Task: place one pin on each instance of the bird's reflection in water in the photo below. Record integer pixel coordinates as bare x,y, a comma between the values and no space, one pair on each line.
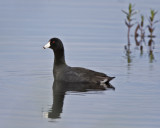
60,89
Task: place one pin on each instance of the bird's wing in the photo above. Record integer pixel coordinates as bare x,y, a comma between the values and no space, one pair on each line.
88,72
85,75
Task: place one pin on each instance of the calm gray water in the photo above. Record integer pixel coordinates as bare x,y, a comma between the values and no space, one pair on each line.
94,35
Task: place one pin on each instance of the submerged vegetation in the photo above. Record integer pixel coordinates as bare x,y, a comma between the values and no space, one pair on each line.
140,30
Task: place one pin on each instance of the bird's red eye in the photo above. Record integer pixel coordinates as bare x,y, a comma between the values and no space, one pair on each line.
53,42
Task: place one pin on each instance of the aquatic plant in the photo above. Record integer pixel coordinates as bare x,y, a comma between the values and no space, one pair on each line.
152,22
129,18
140,32
151,28
140,26
151,47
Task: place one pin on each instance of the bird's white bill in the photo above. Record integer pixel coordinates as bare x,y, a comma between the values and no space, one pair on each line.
47,45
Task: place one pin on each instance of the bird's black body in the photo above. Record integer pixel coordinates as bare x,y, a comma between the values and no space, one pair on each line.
65,73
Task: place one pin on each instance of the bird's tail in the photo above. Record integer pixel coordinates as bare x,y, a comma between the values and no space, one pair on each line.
106,83
106,80
109,79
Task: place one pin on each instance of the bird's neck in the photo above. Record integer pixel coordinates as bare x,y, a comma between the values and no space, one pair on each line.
59,58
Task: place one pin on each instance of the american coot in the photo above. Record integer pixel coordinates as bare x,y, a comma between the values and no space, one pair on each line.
65,73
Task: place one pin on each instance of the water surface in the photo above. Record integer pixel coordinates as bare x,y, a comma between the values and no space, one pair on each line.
94,35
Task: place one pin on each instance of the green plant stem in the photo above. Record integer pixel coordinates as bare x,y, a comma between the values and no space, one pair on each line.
128,36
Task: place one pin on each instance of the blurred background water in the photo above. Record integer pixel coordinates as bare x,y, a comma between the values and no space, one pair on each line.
94,35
